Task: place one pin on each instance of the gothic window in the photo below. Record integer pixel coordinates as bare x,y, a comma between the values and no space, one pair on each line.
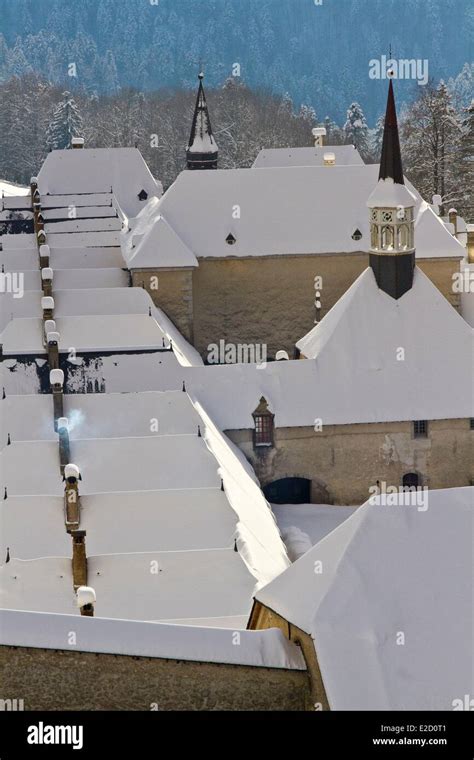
387,216
403,236
374,237
387,238
374,215
263,418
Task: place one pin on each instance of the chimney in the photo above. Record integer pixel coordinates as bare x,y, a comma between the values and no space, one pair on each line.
47,305
52,339
56,379
329,159
34,190
453,219
319,133
72,501
47,278
77,142
41,238
79,559
85,599
38,221
49,326
64,447
44,252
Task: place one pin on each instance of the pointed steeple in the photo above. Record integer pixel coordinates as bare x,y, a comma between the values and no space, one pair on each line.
202,150
391,158
391,204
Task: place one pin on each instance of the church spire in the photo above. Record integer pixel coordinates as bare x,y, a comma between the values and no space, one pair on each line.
202,149
391,158
392,220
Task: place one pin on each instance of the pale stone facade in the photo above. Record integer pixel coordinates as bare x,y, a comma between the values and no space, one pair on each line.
264,300
344,461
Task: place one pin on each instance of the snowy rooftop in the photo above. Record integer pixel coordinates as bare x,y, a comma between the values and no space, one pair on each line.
345,155
181,517
97,171
386,570
327,206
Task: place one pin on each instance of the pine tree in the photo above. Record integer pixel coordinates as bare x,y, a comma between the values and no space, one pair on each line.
356,130
66,124
377,138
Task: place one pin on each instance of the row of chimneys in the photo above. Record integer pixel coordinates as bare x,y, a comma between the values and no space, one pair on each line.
85,595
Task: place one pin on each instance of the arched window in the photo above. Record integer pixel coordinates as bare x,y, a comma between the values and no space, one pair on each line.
387,238
403,237
374,237
411,480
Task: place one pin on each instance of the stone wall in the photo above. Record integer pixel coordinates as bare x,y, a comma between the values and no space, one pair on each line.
48,679
264,300
343,461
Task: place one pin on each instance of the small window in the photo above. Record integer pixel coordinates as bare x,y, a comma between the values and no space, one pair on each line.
263,418
471,423
142,195
356,235
420,428
230,239
411,480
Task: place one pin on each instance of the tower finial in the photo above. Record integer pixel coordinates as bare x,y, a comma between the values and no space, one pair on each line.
202,151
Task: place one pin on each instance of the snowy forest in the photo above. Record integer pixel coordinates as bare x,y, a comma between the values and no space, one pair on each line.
436,130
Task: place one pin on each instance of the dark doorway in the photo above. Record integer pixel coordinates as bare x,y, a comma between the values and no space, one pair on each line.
289,491
411,480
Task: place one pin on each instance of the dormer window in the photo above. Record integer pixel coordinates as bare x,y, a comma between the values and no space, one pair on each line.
230,239
357,235
263,418
142,195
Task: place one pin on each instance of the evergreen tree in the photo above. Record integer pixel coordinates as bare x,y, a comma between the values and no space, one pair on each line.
356,130
377,138
66,124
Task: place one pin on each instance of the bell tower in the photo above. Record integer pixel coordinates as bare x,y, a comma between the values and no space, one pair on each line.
391,211
202,150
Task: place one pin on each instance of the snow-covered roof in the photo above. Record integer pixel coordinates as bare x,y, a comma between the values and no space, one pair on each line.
151,242
389,571
268,649
391,194
79,279
96,171
328,204
181,518
345,155
123,332
63,258
9,189
432,238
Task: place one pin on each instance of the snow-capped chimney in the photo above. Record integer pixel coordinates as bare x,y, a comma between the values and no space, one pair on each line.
49,327
329,159
47,306
436,204
85,599
453,219
56,380
79,558
72,501
44,253
35,196
77,142
47,278
319,134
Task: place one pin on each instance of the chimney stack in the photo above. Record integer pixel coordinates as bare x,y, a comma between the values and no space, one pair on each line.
56,379
44,253
72,501
52,339
453,219
47,279
79,558
34,190
77,142
64,446
47,306
329,159
319,133
85,598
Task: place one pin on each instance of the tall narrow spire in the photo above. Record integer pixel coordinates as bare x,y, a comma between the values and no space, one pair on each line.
392,219
391,158
202,150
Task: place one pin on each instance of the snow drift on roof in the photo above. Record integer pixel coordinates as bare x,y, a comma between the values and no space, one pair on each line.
346,155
